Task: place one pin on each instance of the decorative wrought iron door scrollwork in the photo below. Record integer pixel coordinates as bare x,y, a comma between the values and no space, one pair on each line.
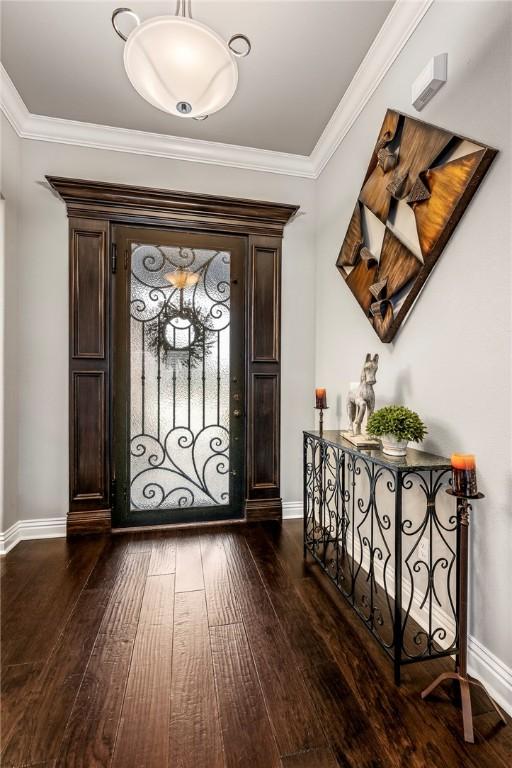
179,378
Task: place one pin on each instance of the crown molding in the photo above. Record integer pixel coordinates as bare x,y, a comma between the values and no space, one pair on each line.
398,27
12,104
400,23
58,130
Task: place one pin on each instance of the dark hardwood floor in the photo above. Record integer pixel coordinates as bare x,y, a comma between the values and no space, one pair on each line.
209,649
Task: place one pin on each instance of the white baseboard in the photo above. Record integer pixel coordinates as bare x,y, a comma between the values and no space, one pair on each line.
292,509
55,527
24,530
496,676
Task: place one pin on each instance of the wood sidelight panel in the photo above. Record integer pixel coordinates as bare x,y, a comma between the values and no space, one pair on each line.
264,466
263,428
88,407
89,287
89,427
94,208
264,304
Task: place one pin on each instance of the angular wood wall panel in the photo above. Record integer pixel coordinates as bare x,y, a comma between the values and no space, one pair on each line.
447,184
419,167
88,285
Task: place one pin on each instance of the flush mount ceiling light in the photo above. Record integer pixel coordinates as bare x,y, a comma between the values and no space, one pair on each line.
179,65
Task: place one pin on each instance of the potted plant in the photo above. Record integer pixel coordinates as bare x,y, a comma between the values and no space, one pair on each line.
396,425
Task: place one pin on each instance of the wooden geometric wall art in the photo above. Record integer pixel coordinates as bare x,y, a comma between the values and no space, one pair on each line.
418,184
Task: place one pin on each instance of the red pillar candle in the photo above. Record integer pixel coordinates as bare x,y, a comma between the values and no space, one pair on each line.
321,397
464,474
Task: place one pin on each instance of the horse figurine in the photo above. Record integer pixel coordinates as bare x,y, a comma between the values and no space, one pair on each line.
362,399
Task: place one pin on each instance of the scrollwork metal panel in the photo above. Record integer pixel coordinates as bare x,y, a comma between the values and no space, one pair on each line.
376,528
179,363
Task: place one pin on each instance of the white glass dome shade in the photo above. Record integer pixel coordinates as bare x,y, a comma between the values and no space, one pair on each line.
180,66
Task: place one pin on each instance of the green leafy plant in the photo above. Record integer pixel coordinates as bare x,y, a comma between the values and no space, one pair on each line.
398,421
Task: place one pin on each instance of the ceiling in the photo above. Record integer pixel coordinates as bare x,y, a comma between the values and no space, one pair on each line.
66,61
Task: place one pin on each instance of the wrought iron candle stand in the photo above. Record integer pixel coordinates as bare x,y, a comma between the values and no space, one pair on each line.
461,674
321,422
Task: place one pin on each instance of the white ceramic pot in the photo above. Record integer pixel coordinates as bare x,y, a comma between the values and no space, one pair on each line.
393,447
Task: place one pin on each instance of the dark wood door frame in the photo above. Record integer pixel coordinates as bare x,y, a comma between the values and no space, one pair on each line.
92,208
123,514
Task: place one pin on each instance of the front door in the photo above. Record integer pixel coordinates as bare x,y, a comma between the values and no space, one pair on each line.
178,378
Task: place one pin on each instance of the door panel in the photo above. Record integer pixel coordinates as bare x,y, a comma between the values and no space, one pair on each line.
178,376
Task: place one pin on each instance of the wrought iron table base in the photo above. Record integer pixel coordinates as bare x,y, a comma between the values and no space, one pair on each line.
369,550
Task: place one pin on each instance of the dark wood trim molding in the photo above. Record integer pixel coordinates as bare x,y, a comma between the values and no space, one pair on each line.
93,207
271,509
89,521
122,203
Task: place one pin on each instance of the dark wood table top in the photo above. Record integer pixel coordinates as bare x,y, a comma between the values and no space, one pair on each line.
414,460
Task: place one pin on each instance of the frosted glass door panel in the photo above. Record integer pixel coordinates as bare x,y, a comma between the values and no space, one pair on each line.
179,377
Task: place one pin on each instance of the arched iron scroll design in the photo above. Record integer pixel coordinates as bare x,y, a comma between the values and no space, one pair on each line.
373,525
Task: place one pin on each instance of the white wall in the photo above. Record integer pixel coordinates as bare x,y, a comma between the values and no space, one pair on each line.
43,305
9,267
451,361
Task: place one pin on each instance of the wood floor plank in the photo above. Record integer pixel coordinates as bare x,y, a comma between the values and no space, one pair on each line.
491,731
307,645
220,602
350,732
250,593
148,691
29,572
40,729
314,758
294,719
288,546
195,738
248,736
189,572
90,734
37,621
17,684
139,541
163,556
26,564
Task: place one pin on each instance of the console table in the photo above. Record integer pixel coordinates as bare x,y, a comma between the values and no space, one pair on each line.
374,524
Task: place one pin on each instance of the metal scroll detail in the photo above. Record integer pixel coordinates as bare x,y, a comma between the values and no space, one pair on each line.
179,435
429,577
367,526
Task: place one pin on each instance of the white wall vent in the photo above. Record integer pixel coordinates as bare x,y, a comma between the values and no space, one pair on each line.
432,78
